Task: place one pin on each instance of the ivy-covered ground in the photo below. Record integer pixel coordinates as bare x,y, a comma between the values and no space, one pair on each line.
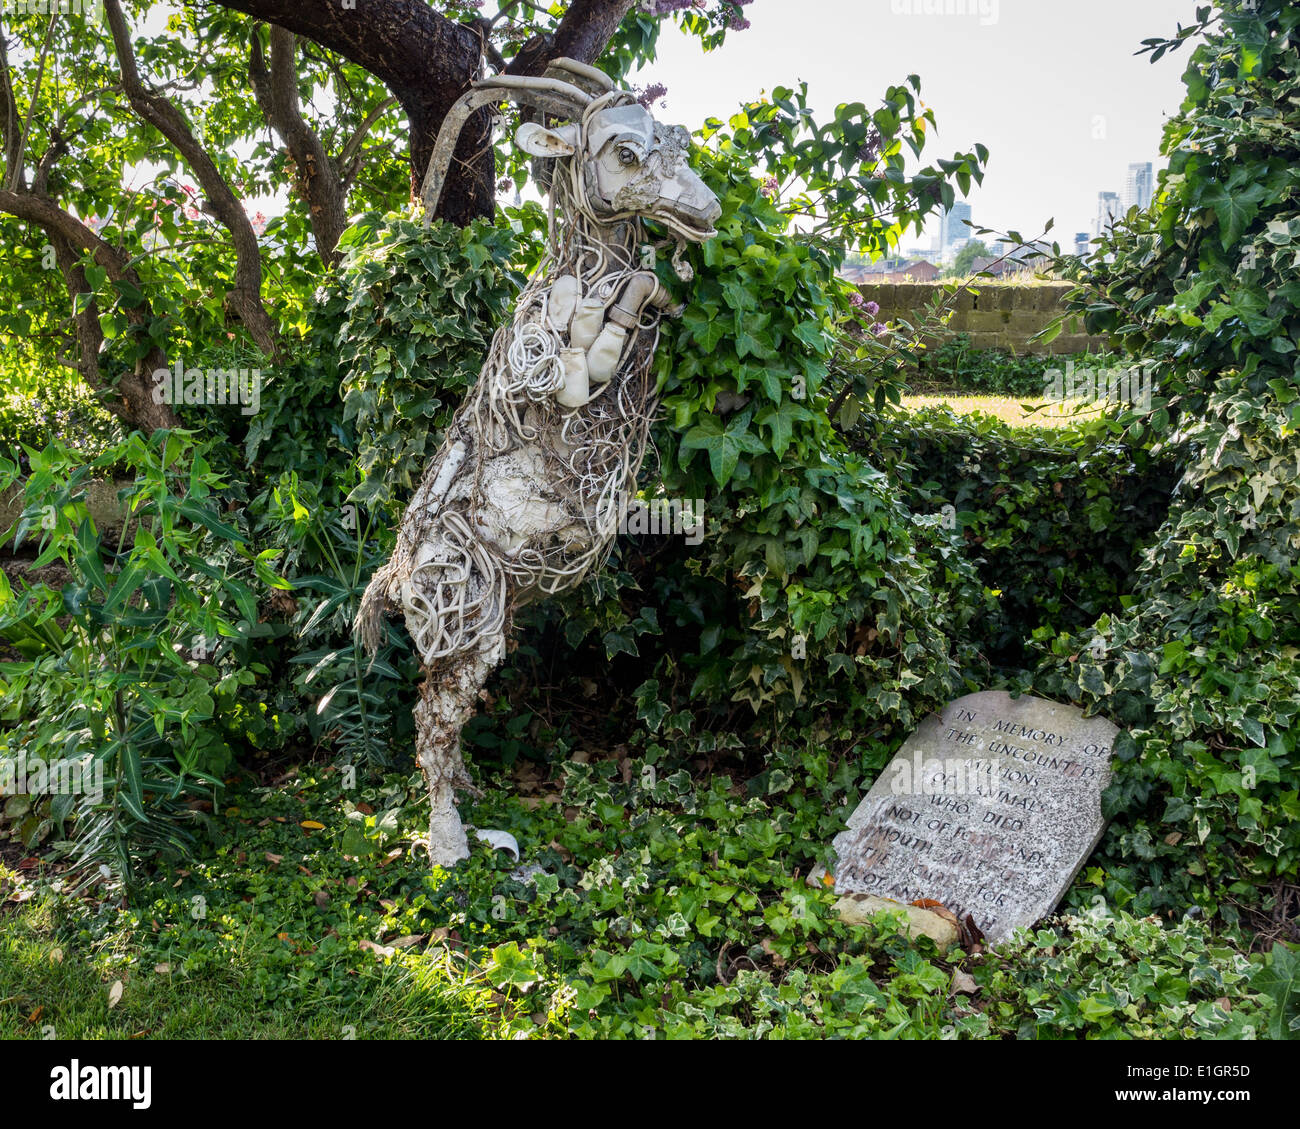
665,906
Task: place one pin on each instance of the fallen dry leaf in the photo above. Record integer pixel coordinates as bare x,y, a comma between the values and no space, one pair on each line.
163,969
963,982
56,955
939,908
407,941
115,994
312,825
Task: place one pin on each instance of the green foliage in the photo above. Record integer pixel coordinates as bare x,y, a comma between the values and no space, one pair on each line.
1279,980
956,366
130,673
1121,977
965,258
1205,286
1034,532
665,906
53,407
848,176
416,310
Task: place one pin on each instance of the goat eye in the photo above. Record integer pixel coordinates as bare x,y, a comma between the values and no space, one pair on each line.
626,156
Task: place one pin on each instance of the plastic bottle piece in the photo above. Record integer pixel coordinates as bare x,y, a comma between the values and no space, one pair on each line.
576,385
563,301
604,354
587,323
500,841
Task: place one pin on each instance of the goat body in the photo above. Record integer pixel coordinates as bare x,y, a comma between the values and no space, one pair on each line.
527,491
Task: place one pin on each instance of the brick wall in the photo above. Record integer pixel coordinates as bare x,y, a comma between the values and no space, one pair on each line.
997,317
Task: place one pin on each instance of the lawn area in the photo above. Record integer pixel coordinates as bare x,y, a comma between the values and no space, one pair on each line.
1019,411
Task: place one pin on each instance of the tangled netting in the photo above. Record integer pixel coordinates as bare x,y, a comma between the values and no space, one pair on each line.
558,478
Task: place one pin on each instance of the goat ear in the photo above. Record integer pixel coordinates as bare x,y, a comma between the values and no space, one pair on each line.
538,141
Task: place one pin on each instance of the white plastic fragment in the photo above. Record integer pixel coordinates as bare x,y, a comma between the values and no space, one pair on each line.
500,841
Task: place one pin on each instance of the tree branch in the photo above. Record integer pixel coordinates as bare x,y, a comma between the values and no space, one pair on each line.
582,34
245,300
9,132
315,177
70,238
425,59
16,172
350,156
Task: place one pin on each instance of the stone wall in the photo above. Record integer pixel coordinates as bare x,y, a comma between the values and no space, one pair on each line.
997,317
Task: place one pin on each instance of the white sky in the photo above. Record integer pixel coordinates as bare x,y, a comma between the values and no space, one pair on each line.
1028,78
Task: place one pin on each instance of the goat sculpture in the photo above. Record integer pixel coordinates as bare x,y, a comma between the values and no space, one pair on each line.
535,473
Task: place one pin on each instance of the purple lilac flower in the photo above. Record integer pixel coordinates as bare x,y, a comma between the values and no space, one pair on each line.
651,94
668,7
880,329
771,186
873,308
857,301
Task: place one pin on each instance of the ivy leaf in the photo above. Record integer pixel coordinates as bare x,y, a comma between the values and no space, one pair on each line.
1279,979
1235,208
723,446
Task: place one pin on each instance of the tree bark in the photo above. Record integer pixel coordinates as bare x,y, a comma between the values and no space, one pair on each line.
315,176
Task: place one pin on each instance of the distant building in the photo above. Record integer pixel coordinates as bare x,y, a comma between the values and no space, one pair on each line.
1139,186
892,270
1107,209
953,232
1082,244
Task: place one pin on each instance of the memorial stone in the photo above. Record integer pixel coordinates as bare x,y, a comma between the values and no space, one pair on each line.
990,808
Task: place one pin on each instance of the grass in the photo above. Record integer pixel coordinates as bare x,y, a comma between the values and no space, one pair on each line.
1010,409
52,986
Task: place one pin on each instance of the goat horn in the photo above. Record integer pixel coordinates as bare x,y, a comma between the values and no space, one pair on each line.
551,95
580,72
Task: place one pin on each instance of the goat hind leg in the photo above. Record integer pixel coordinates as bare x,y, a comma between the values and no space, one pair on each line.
448,698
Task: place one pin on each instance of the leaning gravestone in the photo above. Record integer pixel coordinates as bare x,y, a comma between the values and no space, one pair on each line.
990,808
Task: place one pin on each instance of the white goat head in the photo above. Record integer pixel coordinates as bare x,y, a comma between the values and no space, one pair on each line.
625,164
631,165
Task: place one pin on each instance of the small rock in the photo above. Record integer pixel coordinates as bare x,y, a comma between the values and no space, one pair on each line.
964,983
859,909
